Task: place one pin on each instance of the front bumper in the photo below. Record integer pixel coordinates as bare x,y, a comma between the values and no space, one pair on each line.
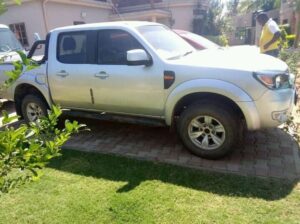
275,106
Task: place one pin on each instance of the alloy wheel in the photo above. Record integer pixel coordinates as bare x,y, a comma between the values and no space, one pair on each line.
206,132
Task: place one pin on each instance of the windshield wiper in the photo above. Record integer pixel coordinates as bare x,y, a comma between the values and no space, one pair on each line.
180,55
187,53
174,57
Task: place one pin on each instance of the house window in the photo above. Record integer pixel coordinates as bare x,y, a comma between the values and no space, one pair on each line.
78,22
20,32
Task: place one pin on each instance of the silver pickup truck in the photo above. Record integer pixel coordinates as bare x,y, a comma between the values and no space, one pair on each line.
145,72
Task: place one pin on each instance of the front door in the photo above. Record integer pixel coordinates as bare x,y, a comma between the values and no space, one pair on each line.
120,88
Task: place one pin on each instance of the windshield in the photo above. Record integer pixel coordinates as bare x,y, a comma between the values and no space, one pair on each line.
8,41
207,44
167,43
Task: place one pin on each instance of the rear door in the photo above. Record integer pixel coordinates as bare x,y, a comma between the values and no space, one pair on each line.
70,68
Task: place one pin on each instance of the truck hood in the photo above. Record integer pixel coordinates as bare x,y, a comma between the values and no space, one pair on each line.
244,58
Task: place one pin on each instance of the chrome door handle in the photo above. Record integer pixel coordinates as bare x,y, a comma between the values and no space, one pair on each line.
102,75
62,74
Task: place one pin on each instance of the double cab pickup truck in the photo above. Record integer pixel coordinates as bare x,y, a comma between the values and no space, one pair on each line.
145,72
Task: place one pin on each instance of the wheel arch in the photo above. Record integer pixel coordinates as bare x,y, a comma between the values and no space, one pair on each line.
216,91
207,96
24,89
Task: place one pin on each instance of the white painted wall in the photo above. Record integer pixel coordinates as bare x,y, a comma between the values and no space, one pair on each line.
183,17
65,14
29,13
58,14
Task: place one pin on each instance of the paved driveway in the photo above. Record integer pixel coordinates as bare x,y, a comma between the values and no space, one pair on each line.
268,153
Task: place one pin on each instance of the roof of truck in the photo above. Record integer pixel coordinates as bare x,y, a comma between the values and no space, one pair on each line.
105,24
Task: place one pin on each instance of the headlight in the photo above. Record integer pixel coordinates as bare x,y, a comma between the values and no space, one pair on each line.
276,81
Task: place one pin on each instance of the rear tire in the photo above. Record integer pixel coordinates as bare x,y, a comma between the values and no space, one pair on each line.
208,130
33,107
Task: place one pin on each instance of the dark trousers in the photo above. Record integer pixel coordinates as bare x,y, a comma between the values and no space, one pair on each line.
274,53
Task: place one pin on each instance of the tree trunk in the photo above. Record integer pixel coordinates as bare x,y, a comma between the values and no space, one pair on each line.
297,31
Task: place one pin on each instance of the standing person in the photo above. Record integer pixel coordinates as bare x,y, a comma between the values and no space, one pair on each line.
270,35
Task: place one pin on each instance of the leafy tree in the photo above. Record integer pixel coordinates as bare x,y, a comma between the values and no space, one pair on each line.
232,7
296,7
254,5
26,150
214,24
3,5
209,24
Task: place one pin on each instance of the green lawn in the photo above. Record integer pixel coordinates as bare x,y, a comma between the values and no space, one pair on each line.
92,188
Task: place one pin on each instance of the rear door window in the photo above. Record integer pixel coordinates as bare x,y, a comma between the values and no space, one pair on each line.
76,48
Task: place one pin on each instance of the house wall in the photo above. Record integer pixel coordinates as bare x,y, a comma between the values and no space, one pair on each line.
178,14
181,11
30,13
287,16
58,14
241,22
182,17
65,14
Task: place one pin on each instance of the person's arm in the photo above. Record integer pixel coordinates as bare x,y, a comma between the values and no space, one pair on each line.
274,39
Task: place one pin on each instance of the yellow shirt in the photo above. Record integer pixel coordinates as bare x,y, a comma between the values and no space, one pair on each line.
268,31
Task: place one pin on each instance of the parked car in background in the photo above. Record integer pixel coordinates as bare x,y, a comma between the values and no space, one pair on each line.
202,43
197,41
145,72
9,44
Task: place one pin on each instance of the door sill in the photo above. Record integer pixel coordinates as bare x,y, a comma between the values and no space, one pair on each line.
153,122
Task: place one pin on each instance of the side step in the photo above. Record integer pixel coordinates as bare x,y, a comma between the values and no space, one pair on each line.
153,122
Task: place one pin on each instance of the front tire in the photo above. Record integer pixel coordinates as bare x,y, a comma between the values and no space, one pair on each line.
208,130
33,107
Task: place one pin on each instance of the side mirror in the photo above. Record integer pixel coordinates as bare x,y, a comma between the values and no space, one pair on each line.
36,37
138,57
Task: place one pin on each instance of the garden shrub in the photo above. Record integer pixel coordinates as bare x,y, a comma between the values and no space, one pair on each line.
25,150
287,39
292,58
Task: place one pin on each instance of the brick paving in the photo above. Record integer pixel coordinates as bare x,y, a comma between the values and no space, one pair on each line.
268,153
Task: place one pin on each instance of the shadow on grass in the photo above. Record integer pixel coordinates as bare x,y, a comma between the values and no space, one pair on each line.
134,172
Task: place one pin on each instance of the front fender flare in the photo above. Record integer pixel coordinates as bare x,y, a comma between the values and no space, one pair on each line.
226,89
